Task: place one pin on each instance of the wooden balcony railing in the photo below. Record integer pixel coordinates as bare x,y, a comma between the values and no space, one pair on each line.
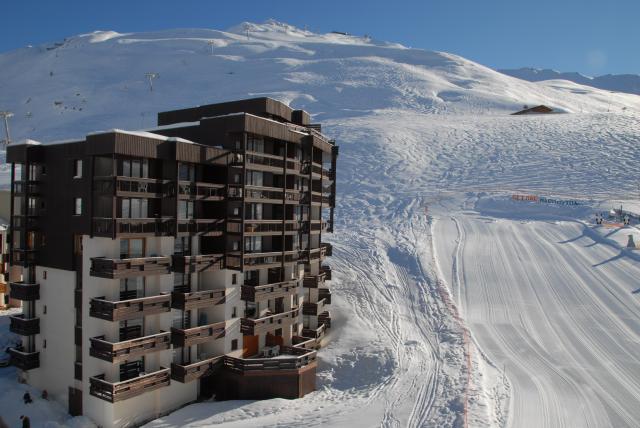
304,342
23,256
201,226
274,258
252,327
272,194
199,263
129,309
317,333
24,360
313,308
193,336
325,319
314,281
130,186
188,372
257,293
290,358
31,187
197,299
324,293
201,191
118,391
269,227
24,326
24,291
327,272
125,268
327,248
113,227
116,352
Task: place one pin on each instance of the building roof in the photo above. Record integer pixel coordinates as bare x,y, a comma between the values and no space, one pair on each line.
541,109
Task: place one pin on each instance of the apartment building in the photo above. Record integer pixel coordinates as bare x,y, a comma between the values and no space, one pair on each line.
178,263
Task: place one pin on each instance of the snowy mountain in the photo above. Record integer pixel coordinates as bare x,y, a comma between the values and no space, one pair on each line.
629,83
453,305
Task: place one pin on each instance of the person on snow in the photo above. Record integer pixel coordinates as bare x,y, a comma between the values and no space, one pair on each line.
27,398
26,422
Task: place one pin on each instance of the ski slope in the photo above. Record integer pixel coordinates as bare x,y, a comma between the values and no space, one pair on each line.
552,304
429,307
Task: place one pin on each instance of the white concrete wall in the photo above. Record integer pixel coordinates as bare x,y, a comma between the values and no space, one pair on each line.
149,405
56,370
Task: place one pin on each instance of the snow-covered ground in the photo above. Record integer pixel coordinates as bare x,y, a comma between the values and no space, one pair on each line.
453,305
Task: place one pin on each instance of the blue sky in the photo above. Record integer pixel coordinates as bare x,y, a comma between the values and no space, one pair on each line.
593,37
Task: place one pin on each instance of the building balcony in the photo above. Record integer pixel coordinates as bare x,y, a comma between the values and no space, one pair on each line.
201,226
24,360
325,319
24,291
197,299
326,270
119,391
188,372
130,186
313,308
327,249
28,222
324,293
192,336
314,281
129,309
22,187
317,198
317,333
265,227
270,259
133,227
22,256
125,268
200,191
24,326
199,263
257,293
252,327
290,358
117,352
271,195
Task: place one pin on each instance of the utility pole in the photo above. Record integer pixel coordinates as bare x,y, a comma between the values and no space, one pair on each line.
151,76
211,43
246,28
6,115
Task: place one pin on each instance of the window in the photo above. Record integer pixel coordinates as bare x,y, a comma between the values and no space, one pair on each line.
77,168
234,279
44,274
134,208
182,246
255,178
255,144
131,288
254,212
138,168
253,244
234,312
234,344
186,172
131,248
77,209
185,210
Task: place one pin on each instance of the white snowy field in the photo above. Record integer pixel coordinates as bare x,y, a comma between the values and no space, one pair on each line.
424,326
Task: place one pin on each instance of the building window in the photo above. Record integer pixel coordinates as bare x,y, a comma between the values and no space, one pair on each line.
77,209
255,178
234,279
138,168
185,210
186,172
253,212
135,208
234,312
253,244
234,344
44,274
131,248
77,168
